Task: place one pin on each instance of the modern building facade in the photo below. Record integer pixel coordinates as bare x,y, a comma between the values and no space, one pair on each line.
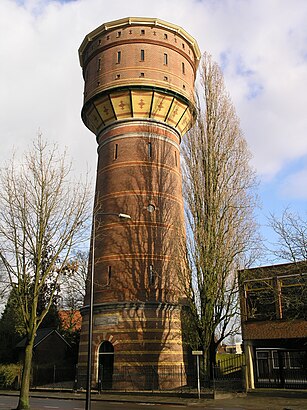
139,78
274,325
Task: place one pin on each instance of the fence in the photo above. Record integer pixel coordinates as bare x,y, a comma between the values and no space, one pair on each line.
281,368
145,378
227,375
54,376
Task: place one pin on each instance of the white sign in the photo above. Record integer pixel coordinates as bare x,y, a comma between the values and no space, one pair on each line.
106,321
197,352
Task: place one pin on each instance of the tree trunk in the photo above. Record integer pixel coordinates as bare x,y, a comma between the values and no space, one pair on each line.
24,402
212,356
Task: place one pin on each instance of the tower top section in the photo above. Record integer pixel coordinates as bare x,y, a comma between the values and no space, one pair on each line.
141,21
139,68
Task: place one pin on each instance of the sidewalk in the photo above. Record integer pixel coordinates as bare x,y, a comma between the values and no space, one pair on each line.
260,399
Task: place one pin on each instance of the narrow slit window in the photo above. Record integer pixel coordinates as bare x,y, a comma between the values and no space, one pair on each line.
183,45
175,157
109,274
142,32
142,55
99,64
117,76
183,68
119,56
118,34
165,36
142,74
151,275
115,151
165,59
150,150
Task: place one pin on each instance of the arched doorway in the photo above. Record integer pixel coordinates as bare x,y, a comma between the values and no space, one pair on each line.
106,364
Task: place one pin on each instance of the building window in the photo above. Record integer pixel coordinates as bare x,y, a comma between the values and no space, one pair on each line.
151,208
183,86
151,276
98,83
183,68
99,64
142,74
108,37
99,42
118,34
109,274
175,157
117,76
150,150
183,45
293,296
165,78
142,55
119,56
260,300
142,32
165,59
130,31
115,154
165,36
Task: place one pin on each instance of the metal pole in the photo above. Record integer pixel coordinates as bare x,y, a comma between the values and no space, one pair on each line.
90,325
198,378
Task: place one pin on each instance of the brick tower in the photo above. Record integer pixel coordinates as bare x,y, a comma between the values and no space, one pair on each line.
139,84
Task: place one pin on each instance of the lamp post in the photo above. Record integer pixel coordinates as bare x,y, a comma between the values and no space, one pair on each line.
91,306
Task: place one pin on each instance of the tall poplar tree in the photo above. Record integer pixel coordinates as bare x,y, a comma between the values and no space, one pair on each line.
219,191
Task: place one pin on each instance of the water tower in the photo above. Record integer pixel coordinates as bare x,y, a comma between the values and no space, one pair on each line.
138,100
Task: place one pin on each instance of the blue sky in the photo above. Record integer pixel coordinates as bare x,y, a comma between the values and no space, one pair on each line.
261,46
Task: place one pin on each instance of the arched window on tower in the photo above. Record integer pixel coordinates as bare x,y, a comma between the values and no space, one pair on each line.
106,365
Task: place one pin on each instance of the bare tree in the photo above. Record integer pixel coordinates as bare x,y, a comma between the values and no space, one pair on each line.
43,216
291,231
4,286
219,191
73,286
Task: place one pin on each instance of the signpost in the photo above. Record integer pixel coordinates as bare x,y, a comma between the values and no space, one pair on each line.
197,353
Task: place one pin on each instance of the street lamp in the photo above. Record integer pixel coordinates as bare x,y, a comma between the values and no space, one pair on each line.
91,307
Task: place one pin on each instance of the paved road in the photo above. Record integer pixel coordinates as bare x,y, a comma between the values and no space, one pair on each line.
9,402
257,400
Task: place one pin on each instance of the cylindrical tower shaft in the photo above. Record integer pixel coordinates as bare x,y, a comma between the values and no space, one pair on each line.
139,80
